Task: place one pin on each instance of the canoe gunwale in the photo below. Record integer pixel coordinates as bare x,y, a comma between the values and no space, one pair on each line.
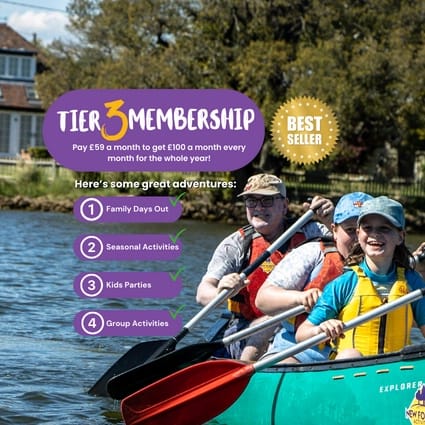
410,352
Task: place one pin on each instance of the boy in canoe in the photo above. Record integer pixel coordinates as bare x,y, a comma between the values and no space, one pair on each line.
301,276
266,208
381,271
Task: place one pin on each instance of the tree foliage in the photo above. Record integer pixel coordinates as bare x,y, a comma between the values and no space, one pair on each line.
365,59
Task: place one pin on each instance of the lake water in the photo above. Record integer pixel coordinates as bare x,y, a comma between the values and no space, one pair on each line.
47,367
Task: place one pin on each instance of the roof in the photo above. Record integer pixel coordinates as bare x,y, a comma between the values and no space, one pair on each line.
12,41
14,96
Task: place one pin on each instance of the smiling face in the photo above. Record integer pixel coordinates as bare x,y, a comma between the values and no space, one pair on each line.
378,238
267,220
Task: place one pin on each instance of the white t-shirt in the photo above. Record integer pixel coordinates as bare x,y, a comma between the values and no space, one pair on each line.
298,267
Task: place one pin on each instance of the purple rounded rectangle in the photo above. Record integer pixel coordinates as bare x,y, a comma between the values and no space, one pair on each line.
153,130
127,209
127,323
128,285
127,247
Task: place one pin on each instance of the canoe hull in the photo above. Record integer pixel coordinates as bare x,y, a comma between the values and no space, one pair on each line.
376,390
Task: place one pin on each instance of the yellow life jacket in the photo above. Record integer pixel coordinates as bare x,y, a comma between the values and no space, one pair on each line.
383,334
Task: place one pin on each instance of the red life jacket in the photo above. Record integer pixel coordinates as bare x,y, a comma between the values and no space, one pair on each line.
243,303
332,267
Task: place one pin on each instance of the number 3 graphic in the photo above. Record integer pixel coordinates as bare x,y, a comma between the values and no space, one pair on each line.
113,111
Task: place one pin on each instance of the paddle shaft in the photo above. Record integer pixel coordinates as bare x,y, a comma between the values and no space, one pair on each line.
295,311
322,337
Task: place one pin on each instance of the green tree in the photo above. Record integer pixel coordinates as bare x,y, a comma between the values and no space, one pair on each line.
365,59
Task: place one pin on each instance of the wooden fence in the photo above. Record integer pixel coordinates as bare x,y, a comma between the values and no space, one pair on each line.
337,184
11,167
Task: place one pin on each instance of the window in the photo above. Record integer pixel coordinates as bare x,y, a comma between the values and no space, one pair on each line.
4,132
13,66
25,133
31,131
32,93
26,67
39,131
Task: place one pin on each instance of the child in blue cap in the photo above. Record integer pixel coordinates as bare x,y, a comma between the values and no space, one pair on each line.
380,272
301,276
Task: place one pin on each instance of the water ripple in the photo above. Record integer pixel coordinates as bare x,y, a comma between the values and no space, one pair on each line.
48,367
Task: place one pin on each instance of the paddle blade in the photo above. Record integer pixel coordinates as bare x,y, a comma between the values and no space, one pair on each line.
193,395
140,353
130,381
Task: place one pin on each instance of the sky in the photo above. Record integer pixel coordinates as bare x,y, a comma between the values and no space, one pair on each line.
45,18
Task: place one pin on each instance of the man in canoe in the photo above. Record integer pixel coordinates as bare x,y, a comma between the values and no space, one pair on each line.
301,276
381,271
266,209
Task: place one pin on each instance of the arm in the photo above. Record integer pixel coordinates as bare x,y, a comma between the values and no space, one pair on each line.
333,328
209,288
324,315
324,210
273,299
226,260
283,288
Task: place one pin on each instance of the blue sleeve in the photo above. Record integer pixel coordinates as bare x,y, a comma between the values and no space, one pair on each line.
415,281
336,295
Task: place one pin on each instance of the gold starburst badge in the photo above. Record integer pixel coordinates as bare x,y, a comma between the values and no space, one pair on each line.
304,130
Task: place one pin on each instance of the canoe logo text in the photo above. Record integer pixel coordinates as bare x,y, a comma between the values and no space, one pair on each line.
415,413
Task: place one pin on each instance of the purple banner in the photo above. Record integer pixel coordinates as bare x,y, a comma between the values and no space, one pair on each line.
127,323
153,130
128,247
128,284
128,209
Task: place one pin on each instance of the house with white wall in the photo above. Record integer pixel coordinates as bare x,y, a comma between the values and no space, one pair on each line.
21,112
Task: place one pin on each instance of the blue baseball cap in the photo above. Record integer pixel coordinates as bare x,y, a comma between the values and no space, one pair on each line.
386,207
349,206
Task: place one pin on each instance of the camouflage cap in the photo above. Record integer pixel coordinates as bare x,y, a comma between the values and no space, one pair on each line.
264,184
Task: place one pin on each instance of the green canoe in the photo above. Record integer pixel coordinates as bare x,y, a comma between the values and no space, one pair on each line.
384,389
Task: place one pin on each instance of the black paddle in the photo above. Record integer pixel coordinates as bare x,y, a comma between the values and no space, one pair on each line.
137,356
120,386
